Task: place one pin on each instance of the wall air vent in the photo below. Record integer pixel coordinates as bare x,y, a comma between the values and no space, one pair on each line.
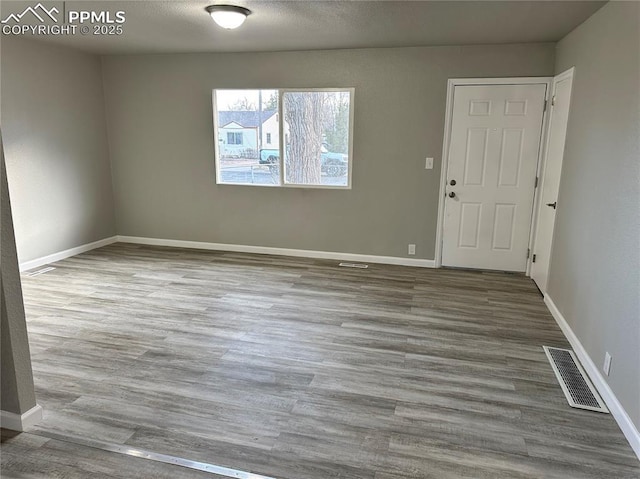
38,272
354,265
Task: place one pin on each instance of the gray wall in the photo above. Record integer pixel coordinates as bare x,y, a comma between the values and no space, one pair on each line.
161,141
595,264
55,139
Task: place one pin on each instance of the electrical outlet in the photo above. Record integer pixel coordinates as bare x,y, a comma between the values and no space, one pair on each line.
428,164
607,363
412,249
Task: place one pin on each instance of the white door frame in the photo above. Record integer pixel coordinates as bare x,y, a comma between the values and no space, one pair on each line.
448,121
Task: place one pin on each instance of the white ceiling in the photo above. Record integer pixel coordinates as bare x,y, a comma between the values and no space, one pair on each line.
277,25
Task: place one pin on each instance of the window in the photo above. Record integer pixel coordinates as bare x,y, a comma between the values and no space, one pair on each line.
316,128
234,138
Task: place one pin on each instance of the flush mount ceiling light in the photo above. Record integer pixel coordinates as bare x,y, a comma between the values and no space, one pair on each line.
228,16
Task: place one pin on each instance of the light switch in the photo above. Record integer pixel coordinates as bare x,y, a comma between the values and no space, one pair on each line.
428,165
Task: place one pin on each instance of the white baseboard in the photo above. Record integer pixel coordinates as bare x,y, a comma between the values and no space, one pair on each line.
52,258
620,415
20,422
303,253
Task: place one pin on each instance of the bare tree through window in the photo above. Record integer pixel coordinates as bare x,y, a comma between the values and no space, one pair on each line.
318,139
303,112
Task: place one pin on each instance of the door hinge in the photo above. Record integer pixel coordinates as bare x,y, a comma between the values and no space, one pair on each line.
533,260
553,100
535,185
528,253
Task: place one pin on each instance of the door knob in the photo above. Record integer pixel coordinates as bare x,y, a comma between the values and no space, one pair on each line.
452,195
452,182
552,205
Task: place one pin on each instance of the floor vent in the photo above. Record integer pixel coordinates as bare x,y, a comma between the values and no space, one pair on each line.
575,384
38,272
354,265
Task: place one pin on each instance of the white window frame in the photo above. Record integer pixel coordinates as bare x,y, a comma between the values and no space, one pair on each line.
282,140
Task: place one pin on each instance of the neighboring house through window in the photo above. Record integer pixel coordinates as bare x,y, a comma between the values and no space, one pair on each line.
268,138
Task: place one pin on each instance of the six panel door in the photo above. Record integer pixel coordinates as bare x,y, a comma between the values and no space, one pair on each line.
493,157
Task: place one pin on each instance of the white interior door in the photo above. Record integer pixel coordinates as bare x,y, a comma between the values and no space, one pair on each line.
493,157
551,178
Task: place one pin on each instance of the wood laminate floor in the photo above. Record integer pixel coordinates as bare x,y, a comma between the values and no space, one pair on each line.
298,369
